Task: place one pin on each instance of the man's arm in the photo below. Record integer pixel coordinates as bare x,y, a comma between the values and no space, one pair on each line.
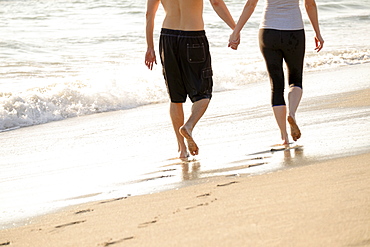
311,10
152,7
223,12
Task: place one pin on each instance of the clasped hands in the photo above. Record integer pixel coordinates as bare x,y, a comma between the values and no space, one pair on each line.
234,41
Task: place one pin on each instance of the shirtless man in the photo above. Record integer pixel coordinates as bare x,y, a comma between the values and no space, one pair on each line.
186,61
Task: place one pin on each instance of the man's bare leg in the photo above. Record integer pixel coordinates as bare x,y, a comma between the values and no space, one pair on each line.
280,116
177,117
197,111
294,97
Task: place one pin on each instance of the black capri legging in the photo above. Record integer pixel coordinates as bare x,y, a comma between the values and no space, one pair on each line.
279,45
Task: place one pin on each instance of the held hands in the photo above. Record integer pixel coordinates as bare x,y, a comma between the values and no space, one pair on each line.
319,42
234,40
150,58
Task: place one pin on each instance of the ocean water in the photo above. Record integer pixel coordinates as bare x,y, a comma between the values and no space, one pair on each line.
66,58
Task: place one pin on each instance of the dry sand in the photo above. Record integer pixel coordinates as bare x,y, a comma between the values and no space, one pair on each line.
322,204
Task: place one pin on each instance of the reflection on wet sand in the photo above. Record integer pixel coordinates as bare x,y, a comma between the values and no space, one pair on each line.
251,164
193,173
293,157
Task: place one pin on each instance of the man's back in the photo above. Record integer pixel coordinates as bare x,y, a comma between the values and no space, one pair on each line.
186,15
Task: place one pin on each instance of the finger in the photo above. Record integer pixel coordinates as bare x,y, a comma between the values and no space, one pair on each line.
232,46
319,45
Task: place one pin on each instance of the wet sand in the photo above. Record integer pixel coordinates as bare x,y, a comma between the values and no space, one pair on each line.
238,192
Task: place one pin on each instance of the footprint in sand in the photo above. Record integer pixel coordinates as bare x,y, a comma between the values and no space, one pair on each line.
199,205
116,241
202,204
220,185
145,224
207,194
84,211
113,200
70,224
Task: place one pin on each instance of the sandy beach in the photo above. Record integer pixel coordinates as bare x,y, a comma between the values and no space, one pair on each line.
317,195
326,204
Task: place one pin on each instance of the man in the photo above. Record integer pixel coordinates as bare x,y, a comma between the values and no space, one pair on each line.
186,61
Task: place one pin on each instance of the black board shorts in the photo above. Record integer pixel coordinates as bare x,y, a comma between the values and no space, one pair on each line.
186,63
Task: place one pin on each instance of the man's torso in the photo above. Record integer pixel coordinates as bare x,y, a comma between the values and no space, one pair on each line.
186,15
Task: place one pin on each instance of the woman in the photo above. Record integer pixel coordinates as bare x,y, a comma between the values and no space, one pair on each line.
282,38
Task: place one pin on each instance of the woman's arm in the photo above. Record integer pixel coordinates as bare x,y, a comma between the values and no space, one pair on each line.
311,10
244,17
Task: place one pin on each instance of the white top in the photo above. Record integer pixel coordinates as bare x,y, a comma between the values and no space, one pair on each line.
282,15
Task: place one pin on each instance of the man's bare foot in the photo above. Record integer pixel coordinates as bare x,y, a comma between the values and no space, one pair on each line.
192,146
294,130
284,144
183,155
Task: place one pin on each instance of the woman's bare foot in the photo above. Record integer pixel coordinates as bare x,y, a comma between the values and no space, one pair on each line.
192,146
294,130
285,139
